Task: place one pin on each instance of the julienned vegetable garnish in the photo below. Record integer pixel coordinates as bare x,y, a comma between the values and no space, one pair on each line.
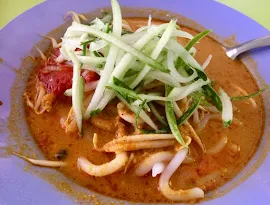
148,93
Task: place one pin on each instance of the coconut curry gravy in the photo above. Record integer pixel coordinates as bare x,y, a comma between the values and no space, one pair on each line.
207,171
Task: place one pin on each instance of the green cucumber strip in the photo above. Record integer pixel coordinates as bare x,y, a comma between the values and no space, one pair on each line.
210,92
120,83
81,89
155,53
107,28
182,53
235,98
141,114
227,110
124,92
157,115
166,78
200,73
77,88
84,44
122,66
140,109
174,71
137,119
172,120
110,61
196,38
189,45
84,49
97,54
89,60
87,42
95,112
149,97
115,41
207,88
189,112
182,92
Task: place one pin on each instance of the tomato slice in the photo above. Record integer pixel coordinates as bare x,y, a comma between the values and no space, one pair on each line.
57,77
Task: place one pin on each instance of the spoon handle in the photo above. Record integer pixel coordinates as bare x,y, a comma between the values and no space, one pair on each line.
256,43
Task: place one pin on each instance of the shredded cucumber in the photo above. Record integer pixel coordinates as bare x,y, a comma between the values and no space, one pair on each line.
197,38
182,34
250,95
121,68
89,60
183,54
110,61
97,45
143,115
176,75
182,92
227,111
120,44
163,77
189,112
157,115
160,45
77,88
172,120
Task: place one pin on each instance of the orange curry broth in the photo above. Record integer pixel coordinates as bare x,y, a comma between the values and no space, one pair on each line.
51,138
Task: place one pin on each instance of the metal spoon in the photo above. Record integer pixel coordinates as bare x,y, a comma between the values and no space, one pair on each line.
233,52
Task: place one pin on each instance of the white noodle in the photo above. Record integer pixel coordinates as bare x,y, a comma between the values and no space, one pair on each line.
177,195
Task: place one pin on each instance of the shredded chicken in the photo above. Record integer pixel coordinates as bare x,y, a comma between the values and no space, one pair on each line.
43,101
120,128
102,123
70,124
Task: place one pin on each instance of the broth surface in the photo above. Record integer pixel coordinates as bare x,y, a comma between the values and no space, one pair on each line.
51,138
